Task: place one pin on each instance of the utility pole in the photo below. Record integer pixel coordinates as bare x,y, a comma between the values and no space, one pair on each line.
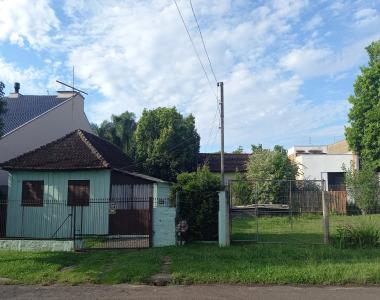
220,84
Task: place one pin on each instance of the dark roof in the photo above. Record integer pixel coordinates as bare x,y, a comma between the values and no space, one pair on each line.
77,150
21,109
232,162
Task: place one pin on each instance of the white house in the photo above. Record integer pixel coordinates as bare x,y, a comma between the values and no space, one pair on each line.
324,162
31,121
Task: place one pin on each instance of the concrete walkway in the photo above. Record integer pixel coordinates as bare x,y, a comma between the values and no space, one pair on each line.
125,291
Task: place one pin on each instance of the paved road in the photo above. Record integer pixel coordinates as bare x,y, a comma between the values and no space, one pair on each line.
125,291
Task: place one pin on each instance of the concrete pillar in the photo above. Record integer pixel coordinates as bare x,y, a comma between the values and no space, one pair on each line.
224,220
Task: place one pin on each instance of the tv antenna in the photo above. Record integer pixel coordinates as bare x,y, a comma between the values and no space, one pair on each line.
70,86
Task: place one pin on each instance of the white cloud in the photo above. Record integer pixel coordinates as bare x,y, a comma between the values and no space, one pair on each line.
136,55
140,56
313,23
366,19
24,21
309,61
29,77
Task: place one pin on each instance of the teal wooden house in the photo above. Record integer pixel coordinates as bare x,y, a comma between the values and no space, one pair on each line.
83,187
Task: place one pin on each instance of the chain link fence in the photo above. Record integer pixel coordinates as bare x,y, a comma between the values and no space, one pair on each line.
288,211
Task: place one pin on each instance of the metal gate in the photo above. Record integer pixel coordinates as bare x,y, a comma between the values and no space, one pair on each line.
276,211
129,224
3,217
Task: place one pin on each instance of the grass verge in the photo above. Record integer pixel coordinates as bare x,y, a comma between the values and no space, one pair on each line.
134,266
199,263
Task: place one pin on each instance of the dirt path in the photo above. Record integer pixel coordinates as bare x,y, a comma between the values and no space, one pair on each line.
124,291
163,277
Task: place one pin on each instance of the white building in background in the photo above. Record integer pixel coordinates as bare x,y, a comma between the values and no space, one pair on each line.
324,162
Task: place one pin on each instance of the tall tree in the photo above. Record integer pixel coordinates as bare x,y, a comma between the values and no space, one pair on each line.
363,132
269,168
119,131
2,107
238,150
166,143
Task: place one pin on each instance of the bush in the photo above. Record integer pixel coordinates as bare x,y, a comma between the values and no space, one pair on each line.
363,188
359,236
241,190
271,170
198,203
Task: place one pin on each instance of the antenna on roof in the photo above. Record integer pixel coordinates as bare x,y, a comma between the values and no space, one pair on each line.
70,86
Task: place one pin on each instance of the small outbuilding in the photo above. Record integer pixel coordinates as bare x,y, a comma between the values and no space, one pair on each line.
84,188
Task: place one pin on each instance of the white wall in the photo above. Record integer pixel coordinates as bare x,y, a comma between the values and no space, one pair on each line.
56,123
313,165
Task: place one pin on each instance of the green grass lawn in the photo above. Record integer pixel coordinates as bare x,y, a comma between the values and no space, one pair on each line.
199,263
298,229
243,263
133,266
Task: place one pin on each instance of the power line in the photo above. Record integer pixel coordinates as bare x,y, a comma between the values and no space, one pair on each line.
203,42
194,48
211,130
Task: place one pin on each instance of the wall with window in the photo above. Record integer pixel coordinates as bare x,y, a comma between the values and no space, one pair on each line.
318,166
48,204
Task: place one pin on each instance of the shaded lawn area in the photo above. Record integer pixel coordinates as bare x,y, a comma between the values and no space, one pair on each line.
120,266
297,229
199,263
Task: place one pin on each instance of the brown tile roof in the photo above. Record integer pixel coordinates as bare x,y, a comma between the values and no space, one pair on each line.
232,162
77,150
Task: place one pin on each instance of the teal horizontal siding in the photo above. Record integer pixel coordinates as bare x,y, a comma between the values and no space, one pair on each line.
43,222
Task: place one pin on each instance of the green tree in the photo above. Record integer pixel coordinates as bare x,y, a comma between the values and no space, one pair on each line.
239,150
270,168
166,143
119,131
363,188
363,132
241,190
198,205
2,107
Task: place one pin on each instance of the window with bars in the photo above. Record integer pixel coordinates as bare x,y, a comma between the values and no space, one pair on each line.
78,193
32,193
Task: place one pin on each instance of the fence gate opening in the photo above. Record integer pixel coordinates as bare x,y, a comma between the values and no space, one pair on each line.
129,223
280,211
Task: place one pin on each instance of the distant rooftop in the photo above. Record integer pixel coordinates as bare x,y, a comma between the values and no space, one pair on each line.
340,147
232,162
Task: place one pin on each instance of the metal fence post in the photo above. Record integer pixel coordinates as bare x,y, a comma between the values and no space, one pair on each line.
151,232
75,225
256,193
325,210
290,205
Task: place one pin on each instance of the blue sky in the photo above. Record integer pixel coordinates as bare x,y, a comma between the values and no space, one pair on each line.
287,66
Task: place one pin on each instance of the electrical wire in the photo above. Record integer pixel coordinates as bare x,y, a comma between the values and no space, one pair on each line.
194,48
203,42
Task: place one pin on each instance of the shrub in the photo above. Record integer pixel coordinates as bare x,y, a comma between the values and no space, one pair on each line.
241,190
198,203
365,235
363,188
